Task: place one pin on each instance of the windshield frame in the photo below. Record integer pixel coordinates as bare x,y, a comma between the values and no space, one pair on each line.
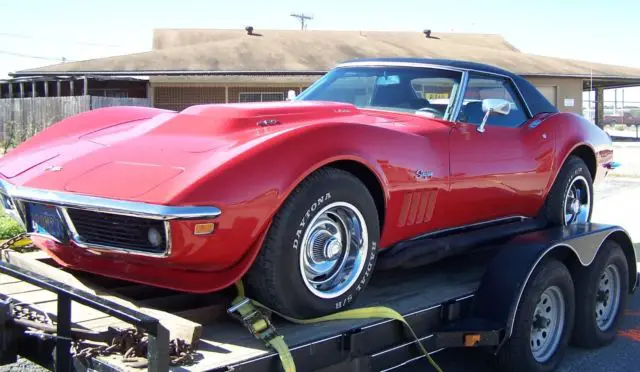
454,107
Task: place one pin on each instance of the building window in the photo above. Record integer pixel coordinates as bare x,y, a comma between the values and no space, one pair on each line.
260,97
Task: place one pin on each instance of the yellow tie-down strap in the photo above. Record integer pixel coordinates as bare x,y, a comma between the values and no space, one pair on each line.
280,346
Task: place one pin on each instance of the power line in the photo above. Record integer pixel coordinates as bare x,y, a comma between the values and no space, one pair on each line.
86,43
59,59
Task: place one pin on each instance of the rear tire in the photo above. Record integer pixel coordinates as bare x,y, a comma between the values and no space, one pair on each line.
321,248
564,205
601,296
536,343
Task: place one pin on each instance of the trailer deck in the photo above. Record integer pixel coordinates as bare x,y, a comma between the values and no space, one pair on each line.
420,294
474,299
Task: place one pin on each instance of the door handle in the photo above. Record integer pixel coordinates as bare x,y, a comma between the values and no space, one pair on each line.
544,136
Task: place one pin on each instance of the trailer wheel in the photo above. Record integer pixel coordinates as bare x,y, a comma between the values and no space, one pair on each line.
543,322
601,296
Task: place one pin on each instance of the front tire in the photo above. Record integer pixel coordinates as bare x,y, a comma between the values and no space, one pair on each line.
571,197
321,248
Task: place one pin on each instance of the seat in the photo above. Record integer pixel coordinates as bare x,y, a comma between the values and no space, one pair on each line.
472,113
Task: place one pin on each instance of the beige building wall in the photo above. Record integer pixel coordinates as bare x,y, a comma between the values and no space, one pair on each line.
180,92
177,93
563,91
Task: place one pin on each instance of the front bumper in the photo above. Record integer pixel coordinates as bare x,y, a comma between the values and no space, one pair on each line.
15,198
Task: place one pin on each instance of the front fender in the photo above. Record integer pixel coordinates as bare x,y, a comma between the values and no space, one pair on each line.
250,187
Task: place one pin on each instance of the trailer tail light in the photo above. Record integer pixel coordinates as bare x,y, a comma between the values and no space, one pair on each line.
471,339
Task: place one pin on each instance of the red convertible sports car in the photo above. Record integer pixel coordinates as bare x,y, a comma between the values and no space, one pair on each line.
405,160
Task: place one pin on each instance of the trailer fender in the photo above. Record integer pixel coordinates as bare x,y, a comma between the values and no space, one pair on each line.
507,275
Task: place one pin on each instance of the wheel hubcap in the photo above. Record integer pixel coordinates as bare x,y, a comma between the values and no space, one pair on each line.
333,250
548,324
577,203
607,297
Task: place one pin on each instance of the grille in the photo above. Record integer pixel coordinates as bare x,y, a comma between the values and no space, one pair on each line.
117,231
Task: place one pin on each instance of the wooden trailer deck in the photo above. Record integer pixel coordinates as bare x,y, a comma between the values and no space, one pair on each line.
222,341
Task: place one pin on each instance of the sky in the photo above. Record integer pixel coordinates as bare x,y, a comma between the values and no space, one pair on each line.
36,33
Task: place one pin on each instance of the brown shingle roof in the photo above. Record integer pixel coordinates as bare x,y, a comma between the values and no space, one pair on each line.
184,51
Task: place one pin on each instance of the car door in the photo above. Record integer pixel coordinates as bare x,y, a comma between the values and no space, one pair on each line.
502,171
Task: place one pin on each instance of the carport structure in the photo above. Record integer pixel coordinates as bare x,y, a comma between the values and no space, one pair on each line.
598,84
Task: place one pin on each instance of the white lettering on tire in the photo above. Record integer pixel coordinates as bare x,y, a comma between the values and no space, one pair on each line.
307,216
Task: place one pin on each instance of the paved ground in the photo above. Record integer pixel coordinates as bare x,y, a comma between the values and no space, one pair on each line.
628,155
617,202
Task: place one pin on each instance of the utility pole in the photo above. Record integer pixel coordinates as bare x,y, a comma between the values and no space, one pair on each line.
303,18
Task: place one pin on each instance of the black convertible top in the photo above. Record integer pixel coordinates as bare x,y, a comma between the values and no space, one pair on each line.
535,100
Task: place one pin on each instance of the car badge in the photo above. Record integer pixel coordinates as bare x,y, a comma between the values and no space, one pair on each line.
423,174
53,168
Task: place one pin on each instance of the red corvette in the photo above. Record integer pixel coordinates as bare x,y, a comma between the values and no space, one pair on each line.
298,198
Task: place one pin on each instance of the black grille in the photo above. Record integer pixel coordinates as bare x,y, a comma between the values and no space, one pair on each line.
117,231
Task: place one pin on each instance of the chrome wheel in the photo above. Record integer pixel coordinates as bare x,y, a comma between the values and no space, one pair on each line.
577,203
548,324
333,250
608,297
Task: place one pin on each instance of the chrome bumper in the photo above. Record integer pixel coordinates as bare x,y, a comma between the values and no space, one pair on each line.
13,199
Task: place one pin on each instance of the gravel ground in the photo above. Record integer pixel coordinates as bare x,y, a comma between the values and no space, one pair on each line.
22,365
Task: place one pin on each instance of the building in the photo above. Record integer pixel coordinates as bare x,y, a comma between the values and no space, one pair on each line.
194,66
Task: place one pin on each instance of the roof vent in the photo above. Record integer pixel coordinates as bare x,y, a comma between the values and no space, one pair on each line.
249,30
427,33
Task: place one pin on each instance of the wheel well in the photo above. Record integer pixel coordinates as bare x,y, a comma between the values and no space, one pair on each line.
585,153
568,257
369,179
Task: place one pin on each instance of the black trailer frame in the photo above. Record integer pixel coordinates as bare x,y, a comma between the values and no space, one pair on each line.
485,313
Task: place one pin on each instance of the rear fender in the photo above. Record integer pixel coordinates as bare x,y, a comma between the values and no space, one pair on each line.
573,131
503,284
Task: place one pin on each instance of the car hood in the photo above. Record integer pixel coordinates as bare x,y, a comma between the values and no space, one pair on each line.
128,160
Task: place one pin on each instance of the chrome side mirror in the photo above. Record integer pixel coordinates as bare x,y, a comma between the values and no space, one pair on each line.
493,105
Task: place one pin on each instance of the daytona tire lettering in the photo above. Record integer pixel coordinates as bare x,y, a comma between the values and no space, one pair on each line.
307,216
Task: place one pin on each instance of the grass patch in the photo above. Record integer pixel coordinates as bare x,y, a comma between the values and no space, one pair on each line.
8,227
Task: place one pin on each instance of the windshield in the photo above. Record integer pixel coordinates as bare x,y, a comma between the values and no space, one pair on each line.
418,90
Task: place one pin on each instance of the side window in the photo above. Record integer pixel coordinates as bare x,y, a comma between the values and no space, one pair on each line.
482,87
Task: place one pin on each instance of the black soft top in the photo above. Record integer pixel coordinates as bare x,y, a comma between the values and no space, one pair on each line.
535,100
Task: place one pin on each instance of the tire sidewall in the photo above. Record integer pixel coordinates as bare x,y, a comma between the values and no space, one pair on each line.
573,168
550,273
580,169
586,292
310,202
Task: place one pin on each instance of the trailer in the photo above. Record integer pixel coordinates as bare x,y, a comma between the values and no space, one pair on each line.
523,299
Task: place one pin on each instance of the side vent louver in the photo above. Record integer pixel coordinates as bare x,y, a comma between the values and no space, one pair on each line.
417,207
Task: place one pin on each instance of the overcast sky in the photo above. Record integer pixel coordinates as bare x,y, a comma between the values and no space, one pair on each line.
42,32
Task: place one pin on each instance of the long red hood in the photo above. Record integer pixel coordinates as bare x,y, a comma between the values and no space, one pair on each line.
125,152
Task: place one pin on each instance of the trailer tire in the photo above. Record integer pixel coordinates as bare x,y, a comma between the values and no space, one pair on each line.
550,279
321,248
608,274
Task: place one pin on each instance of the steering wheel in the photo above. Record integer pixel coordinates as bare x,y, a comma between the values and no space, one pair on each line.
432,110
